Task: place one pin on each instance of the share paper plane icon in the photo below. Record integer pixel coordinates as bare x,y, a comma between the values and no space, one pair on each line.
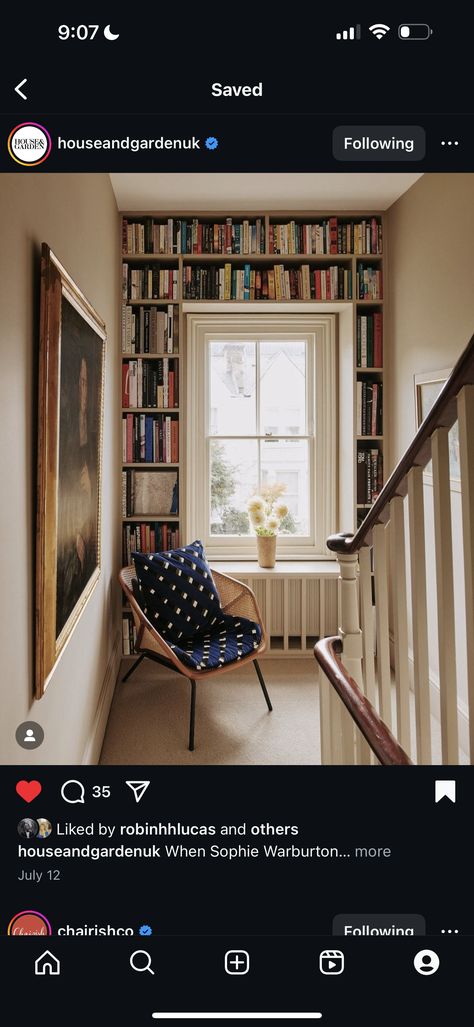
138,788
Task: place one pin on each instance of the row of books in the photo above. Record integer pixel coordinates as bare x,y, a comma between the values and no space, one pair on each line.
149,329
369,283
328,236
277,283
150,383
369,407
369,340
150,438
187,236
177,235
129,634
148,537
369,475
149,493
149,283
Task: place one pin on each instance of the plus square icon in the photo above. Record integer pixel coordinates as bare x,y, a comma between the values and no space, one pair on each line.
237,961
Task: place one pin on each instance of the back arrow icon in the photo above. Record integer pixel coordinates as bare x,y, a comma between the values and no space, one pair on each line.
18,88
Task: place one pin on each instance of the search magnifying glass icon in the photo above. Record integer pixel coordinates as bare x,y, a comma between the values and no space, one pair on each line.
75,791
136,959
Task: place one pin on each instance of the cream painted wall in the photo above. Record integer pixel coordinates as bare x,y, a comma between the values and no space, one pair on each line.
430,321
431,275
77,216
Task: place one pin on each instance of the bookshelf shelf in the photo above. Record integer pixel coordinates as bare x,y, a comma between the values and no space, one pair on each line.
252,229
164,518
267,257
149,356
145,465
152,303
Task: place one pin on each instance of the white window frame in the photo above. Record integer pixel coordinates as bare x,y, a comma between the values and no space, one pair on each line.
320,331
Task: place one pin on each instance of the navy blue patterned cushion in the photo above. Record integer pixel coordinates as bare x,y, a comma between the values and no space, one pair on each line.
228,640
177,590
178,595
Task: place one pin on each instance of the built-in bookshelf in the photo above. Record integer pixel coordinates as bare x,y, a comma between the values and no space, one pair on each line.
172,259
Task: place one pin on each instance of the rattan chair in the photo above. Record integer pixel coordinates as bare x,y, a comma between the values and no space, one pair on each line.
236,598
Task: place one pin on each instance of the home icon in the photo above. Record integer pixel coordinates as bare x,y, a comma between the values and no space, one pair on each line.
47,964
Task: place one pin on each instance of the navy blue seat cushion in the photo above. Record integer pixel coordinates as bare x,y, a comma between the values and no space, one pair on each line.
178,595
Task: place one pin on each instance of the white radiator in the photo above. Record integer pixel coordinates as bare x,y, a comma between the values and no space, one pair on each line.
299,604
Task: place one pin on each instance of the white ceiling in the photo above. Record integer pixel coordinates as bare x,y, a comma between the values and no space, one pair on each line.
218,191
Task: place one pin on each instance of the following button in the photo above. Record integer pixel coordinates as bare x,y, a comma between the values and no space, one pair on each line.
373,925
379,142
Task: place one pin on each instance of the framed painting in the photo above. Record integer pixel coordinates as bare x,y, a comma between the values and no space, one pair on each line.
427,388
70,416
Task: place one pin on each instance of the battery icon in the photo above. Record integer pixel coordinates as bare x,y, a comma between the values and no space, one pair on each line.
418,31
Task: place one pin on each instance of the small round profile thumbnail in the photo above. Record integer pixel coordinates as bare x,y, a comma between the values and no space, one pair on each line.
29,828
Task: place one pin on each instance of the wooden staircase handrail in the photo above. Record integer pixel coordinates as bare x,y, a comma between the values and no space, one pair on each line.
443,414
378,736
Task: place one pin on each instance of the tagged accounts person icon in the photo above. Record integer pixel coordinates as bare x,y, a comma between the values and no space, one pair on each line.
29,734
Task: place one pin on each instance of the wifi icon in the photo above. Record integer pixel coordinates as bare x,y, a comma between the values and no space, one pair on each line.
379,30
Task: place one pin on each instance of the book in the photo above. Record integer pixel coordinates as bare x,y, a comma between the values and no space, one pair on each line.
150,383
369,283
150,493
369,339
149,329
369,475
184,235
330,235
277,282
152,536
150,438
369,407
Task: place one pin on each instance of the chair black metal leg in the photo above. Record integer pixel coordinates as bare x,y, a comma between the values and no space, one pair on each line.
192,715
263,685
134,667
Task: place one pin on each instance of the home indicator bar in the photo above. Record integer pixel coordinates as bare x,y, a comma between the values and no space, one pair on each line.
237,1016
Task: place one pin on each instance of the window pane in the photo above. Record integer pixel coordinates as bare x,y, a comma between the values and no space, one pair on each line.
232,388
234,475
286,462
283,388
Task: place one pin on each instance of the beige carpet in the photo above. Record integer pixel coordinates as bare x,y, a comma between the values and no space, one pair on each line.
149,718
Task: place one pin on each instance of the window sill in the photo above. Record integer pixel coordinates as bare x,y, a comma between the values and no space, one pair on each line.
283,569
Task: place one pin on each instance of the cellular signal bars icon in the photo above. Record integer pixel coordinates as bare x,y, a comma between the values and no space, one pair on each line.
349,34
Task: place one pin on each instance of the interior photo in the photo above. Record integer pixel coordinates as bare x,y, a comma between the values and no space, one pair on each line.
238,469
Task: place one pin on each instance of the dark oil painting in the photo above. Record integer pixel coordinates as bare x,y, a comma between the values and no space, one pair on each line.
78,463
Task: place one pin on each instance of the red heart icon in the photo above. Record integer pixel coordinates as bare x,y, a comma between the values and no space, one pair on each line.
28,790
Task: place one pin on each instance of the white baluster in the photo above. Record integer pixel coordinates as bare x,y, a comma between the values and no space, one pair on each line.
381,613
400,626
419,615
466,452
351,637
445,596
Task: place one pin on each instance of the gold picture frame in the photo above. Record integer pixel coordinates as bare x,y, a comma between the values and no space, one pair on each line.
428,385
70,432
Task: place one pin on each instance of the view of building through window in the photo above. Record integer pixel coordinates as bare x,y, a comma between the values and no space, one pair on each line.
258,430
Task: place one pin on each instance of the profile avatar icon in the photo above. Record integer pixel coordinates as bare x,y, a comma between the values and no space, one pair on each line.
426,962
30,737
28,828
44,828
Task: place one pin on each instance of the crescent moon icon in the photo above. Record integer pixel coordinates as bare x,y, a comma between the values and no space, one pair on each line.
109,34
